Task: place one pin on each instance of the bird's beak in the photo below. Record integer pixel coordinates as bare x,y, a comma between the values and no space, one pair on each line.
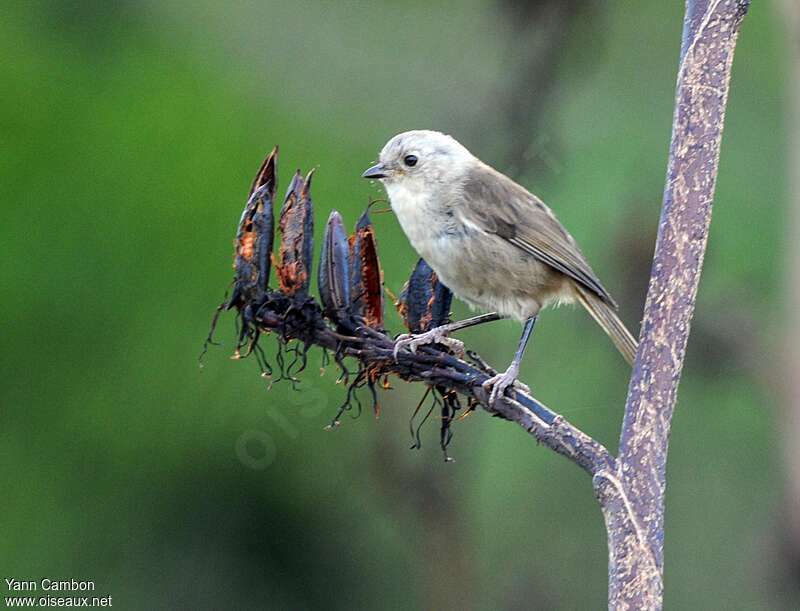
375,172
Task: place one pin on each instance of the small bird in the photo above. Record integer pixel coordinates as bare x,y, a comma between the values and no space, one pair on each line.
491,241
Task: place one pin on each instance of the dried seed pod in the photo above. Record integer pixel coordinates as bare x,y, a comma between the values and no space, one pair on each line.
424,302
334,270
267,172
297,237
254,237
366,276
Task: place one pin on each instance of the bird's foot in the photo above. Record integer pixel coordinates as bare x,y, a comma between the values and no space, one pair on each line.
497,384
437,335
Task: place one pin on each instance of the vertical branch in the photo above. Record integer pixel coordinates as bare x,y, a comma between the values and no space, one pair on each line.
633,494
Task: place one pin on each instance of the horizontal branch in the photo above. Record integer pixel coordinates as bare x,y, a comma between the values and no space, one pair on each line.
374,350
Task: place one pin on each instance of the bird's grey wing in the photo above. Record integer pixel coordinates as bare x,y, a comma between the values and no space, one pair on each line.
494,203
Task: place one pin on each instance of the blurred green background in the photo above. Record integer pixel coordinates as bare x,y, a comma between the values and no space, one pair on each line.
130,133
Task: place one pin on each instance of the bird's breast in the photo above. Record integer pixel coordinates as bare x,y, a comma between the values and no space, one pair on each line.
482,269
430,226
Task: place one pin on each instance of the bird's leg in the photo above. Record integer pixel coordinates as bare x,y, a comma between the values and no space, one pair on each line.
438,335
501,381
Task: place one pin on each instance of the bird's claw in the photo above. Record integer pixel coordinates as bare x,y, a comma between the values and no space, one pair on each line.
434,336
496,385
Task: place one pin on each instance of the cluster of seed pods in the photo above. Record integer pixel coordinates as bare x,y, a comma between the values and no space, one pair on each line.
349,277
349,280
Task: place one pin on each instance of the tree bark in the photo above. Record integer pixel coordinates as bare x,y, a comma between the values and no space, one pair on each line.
632,495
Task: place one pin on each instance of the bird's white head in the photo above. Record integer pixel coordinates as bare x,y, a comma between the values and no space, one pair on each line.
420,160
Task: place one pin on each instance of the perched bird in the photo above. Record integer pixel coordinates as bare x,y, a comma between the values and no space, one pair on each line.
492,242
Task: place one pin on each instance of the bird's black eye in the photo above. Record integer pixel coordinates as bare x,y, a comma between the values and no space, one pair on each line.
410,160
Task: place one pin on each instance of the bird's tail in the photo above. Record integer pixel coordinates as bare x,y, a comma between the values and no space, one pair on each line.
606,317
